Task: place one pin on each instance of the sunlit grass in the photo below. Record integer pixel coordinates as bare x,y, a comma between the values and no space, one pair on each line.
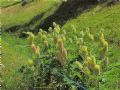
16,51
4,3
109,19
17,14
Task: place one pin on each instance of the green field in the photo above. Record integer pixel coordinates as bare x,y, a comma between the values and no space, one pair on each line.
16,14
5,3
16,51
109,19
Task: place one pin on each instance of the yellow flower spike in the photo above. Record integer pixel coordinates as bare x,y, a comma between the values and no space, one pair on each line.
84,49
64,52
97,69
45,43
89,34
88,58
44,32
57,29
62,55
44,37
101,35
84,52
33,47
61,59
93,62
50,29
102,40
54,24
106,45
105,49
31,37
78,64
89,64
37,52
91,37
60,43
40,30
87,71
40,34
30,62
55,39
86,61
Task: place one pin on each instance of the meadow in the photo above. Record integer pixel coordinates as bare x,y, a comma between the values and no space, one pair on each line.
83,54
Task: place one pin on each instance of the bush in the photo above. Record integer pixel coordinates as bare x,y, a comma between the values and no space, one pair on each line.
58,67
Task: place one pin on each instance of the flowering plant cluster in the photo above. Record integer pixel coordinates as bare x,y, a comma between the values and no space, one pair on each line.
62,67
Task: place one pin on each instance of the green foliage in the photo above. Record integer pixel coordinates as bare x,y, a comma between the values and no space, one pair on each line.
16,52
14,15
4,3
107,18
54,67
47,72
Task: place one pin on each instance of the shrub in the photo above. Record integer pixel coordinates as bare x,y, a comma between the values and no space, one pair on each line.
59,67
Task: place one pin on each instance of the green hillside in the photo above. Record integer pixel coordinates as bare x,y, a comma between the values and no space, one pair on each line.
5,3
16,51
109,19
19,15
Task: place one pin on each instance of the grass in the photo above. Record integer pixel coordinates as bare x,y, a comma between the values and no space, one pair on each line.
109,19
15,54
4,3
97,18
17,14
16,51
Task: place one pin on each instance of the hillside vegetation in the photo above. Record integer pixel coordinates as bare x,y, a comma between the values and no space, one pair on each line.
20,15
109,19
15,51
6,3
18,56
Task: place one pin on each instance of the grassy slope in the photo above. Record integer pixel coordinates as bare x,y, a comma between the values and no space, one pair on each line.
18,14
4,3
15,53
15,50
109,19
